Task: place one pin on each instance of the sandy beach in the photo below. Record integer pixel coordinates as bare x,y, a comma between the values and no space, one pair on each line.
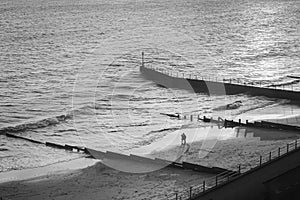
86,178
101,182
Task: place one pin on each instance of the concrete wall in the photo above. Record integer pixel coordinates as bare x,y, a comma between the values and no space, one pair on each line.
219,88
250,185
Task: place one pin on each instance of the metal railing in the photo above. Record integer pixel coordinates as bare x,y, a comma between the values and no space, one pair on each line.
236,81
227,176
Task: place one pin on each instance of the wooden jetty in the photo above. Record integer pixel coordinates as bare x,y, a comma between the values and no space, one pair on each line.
196,84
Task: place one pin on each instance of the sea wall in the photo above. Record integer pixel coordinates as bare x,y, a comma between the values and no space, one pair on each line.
214,87
251,185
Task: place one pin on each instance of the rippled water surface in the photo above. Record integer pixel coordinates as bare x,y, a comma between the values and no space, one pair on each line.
81,59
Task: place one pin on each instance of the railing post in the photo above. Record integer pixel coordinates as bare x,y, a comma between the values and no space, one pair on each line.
287,147
176,196
203,186
278,151
142,59
191,192
216,180
239,169
270,156
260,159
191,117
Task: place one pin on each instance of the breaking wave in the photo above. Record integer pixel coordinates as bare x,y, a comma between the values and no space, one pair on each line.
36,125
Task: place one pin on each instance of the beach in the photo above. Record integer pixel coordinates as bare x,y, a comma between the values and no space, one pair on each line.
70,75
90,179
100,182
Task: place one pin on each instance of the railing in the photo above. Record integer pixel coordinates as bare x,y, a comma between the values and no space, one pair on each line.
236,81
225,177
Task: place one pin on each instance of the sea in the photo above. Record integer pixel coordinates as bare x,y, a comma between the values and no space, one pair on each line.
70,69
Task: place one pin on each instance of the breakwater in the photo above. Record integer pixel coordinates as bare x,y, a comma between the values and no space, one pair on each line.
96,154
257,124
235,123
170,79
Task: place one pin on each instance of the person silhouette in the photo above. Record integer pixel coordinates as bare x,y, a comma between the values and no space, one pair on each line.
183,139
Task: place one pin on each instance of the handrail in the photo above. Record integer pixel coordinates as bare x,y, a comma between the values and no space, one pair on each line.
236,81
227,176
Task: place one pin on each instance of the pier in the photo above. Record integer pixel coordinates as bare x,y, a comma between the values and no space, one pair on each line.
197,84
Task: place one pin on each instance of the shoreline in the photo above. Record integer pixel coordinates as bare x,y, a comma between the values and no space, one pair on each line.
91,179
55,168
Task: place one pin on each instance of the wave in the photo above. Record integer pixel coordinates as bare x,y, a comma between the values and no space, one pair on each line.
36,125
262,106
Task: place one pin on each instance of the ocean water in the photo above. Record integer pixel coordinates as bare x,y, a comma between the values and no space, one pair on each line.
81,59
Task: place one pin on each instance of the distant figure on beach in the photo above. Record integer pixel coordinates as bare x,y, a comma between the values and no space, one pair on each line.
183,139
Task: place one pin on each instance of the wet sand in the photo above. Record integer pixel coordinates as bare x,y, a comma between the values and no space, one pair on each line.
74,180
86,178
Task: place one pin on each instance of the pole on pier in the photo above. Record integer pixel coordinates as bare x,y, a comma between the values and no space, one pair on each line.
296,144
191,117
270,156
191,192
176,196
142,59
239,169
287,147
278,151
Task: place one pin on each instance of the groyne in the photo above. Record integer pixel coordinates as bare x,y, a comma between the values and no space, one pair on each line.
236,123
170,79
96,154
257,124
